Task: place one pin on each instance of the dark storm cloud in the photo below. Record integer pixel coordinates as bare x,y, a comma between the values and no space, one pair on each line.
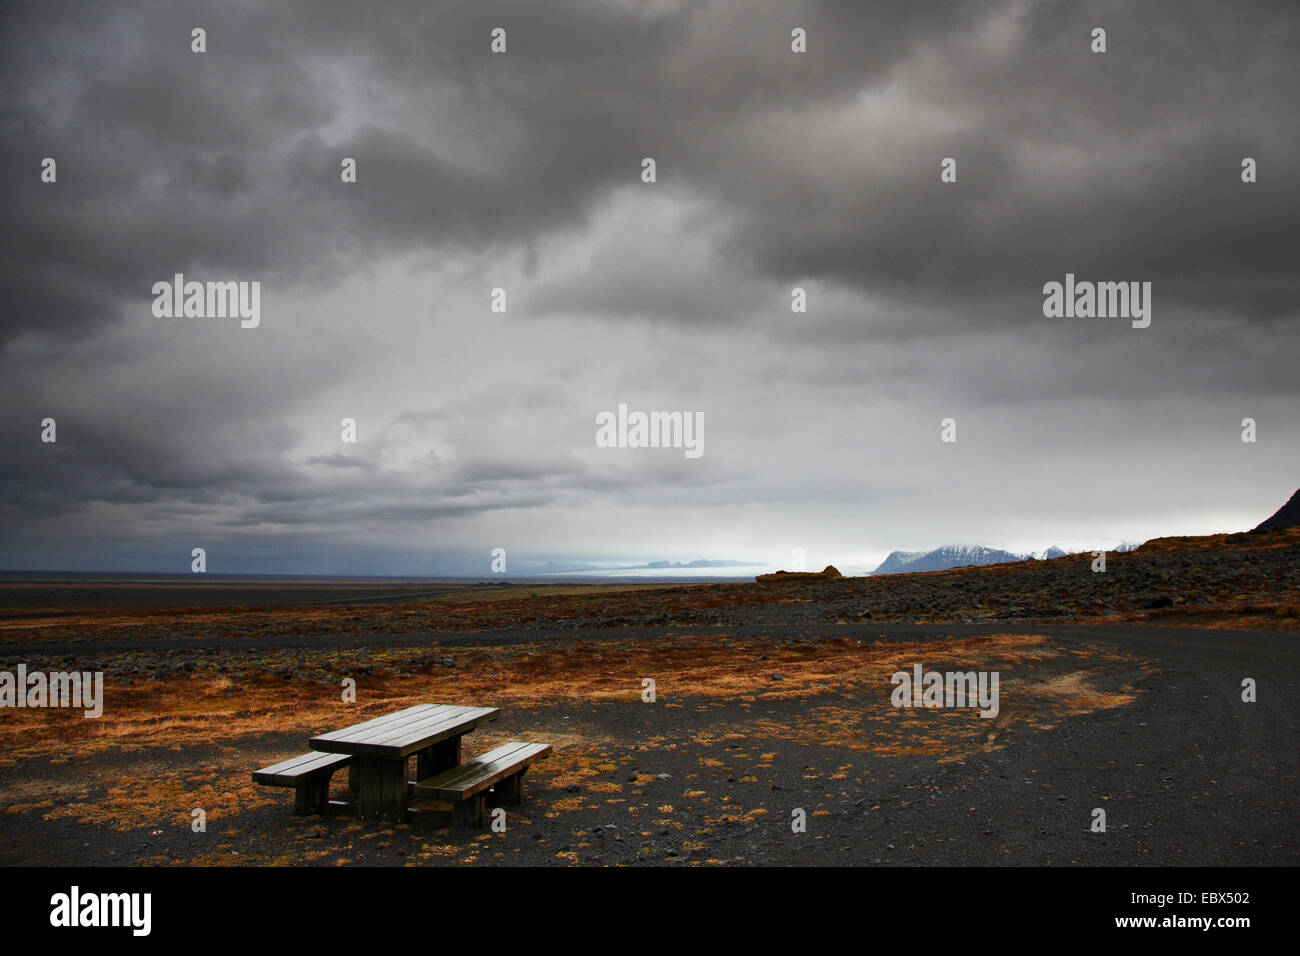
248,178
775,169
1125,165
1108,165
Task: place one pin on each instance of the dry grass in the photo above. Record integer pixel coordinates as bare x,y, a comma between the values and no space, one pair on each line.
846,684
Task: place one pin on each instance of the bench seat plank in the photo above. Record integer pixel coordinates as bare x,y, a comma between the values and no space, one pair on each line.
287,773
309,774
475,776
472,770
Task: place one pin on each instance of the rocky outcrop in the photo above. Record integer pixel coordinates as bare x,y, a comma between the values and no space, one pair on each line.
830,572
1288,516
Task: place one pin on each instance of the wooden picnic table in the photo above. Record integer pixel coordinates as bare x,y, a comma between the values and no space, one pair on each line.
381,748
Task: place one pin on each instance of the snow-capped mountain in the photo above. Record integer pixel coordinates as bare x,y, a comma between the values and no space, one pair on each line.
940,559
964,556
897,561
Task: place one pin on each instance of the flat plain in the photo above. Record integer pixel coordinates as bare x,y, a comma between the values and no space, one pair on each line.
1119,691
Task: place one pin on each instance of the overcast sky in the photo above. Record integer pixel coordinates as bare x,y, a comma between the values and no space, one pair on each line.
522,170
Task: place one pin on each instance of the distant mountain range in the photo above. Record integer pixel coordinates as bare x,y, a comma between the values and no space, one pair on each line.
965,556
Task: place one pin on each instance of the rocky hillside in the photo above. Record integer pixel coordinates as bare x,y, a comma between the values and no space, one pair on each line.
1288,516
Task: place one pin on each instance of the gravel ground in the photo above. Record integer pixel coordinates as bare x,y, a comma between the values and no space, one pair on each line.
1187,774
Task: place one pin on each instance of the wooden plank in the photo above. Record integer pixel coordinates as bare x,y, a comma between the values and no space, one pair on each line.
410,731
468,812
368,731
288,772
360,741
323,765
477,775
376,722
394,791
286,766
415,737
369,792
430,806
502,754
522,755
379,724
383,789
377,742
393,731
431,812
470,769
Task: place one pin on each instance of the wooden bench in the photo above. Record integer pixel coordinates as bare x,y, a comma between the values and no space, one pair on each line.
309,774
467,785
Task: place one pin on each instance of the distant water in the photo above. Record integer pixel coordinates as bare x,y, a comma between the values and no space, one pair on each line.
726,573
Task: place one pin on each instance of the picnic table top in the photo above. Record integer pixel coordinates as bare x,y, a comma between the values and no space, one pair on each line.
404,732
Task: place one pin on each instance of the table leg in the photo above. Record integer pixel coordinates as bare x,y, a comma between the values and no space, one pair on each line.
433,760
383,794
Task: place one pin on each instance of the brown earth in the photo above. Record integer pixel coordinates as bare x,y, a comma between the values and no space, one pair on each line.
769,700
1242,580
736,711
